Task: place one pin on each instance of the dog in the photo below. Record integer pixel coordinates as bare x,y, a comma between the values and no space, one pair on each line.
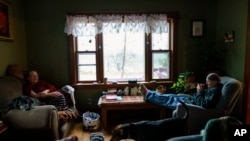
158,130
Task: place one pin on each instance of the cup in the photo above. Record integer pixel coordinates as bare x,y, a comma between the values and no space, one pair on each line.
105,79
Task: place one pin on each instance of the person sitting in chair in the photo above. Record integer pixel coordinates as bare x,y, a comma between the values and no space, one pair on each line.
49,94
207,95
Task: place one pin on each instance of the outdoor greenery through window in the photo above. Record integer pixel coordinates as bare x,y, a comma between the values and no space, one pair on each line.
140,49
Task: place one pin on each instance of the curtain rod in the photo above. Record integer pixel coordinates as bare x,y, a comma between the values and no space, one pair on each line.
172,14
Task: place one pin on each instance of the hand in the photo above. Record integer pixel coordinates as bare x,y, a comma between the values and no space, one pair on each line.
200,87
66,115
45,91
63,116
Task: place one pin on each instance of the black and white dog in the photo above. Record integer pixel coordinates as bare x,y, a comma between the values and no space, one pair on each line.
159,130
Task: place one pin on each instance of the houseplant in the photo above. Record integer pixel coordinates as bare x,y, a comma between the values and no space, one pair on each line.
183,83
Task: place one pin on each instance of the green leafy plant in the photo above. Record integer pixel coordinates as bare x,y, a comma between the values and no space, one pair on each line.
180,86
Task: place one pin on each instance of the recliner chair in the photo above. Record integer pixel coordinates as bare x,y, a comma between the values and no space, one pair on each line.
43,122
199,116
39,123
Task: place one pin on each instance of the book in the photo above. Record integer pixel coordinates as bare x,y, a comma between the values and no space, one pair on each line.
111,96
2,127
119,98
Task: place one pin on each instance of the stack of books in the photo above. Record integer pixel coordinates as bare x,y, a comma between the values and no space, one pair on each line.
111,96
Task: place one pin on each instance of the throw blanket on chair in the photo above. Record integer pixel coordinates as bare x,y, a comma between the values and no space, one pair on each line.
23,103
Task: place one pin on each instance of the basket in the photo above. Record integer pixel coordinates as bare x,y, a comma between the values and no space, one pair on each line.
97,136
91,120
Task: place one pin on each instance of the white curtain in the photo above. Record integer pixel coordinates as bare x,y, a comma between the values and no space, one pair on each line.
91,25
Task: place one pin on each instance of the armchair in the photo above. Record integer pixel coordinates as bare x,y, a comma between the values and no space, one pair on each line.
199,116
41,122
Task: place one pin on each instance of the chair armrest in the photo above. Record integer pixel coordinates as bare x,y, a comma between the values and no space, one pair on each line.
195,109
40,117
198,116
194,137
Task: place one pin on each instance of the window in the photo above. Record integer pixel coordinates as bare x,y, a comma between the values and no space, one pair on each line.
125,54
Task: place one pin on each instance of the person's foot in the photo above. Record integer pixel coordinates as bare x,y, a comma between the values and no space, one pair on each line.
144,90
161,89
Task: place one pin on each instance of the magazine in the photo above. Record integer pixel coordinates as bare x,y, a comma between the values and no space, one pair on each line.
2,127
111,96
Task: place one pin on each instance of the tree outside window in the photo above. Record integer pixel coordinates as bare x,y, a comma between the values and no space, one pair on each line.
122,55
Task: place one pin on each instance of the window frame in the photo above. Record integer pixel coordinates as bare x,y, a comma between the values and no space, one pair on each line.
173,30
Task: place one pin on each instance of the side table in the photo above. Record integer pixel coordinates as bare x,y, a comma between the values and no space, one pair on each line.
127,103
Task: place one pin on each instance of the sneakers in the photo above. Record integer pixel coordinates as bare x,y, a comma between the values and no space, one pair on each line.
97,136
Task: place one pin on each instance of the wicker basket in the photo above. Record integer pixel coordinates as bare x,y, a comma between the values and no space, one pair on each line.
91,120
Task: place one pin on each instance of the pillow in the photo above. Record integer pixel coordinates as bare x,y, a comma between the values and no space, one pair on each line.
16,71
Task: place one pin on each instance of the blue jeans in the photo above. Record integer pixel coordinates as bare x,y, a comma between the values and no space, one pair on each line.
166,100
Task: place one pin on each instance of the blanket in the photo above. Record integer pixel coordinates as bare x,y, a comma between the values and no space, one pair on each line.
23,103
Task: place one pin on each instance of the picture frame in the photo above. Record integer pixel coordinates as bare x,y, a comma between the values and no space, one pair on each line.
197,27
6,23
229,37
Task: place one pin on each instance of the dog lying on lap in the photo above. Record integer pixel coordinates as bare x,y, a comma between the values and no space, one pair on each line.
159,130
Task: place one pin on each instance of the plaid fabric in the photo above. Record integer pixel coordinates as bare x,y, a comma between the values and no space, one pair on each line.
59,102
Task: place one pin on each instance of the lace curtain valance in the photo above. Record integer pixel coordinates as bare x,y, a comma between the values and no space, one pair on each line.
91,25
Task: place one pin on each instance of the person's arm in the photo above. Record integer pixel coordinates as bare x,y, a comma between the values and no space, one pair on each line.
51,90
209,98
40,95
49,86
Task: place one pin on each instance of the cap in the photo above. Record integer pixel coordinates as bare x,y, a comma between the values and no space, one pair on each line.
213,77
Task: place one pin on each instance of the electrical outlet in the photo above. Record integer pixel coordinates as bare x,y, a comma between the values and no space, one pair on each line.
89,101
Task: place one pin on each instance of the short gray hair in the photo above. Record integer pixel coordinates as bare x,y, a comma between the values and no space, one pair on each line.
213,77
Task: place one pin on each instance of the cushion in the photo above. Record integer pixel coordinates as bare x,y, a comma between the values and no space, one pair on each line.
16,71
10,88
230,90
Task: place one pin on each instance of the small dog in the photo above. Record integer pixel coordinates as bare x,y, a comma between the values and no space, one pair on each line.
159,130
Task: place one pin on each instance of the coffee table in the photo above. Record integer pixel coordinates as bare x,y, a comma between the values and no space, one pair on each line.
127,103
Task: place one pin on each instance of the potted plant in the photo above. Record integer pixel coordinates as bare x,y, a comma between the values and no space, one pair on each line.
183,83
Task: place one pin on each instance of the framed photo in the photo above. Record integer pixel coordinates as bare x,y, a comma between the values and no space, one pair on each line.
229,37
6,25
197,28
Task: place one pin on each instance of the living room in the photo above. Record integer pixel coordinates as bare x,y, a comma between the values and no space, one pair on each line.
39,40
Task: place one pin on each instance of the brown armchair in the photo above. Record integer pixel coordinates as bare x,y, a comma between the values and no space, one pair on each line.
38,123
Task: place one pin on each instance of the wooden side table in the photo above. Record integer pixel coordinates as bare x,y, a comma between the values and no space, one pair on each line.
127,103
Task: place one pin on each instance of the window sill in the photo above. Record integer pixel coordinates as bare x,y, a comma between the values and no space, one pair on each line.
119,85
